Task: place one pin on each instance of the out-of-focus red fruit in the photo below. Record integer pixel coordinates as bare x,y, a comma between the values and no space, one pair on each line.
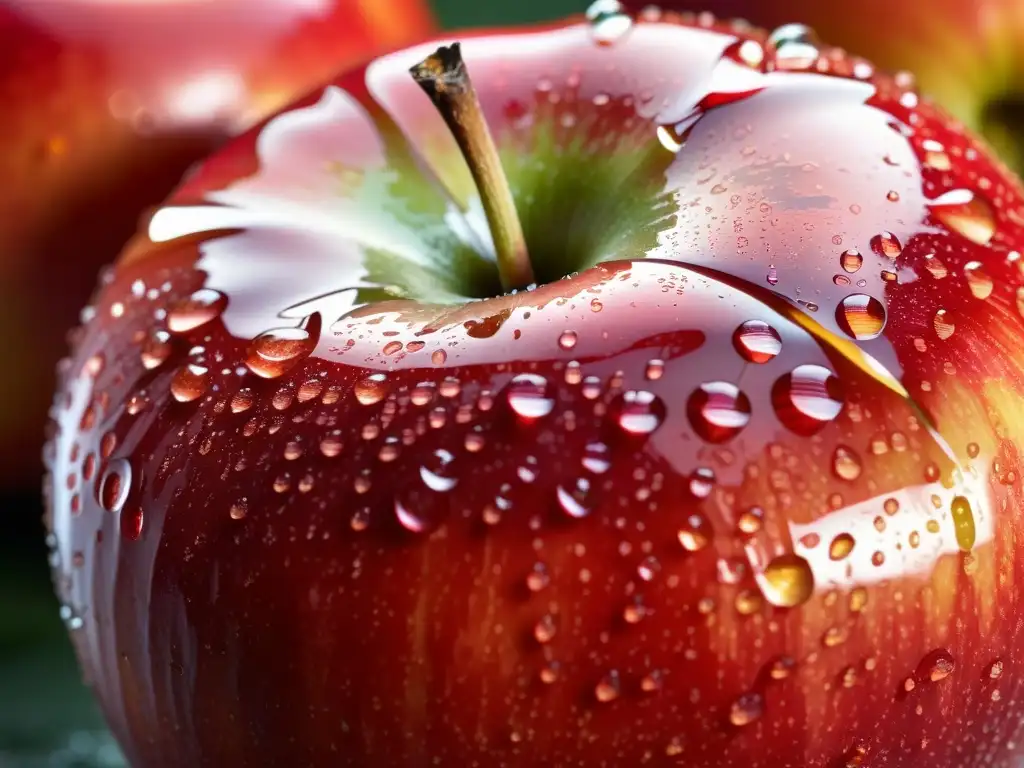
743,489
962,53
105,104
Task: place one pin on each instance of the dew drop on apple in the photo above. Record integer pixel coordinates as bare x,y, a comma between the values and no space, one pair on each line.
965,213
695,533
155,350
649,568
436,471
787,581
608,21
943,324
132,521
72,620
886,244
274,352
597,458
239,509
936,666
718,411
654,369
242,400
746,709
860,316
808,398
371,389
851,260
750,521
545,629
793,46
410,519
963,523
197,310
529,397
842,545
608,688
114,485
190,382
538,578
846,463
574,497
757,341
567,339
978,281
638,412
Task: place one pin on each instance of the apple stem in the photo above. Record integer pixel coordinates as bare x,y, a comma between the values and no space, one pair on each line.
444,78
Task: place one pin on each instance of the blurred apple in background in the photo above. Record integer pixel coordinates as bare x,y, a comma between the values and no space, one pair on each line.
106,103
966,54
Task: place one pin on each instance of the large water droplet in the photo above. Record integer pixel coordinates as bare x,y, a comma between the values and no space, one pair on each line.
574,498
787,581
528,395
887,244
841,546
978,280
795,47
965,213
845,463
851,260
596,458
807,399
608,21
371,389
198,309
274,352
963,523
189,383
638,412
746,709
114,485
436,473
695,533
756,341
718,411
943,324
861,316
155,350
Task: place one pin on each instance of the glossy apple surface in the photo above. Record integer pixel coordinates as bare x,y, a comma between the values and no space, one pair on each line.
106,103
962,54
743,489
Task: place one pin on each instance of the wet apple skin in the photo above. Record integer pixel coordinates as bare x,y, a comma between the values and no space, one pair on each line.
106,105
300,593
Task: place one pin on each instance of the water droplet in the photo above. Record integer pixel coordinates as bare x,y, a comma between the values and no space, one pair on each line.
965,213
772,277
936,666
274,352
751,521
807,399
861,316
655,370
935,266
995,670
609,22
198,309
596,458
943,324
529,397
649,568
781,668
746,709
371,389
239,509
787,581
574,498
841,546
978,281
132,521
608,687
538,578
189,383
963,523
887,244
851,260
845,463
747,602
411,519
718,411
795,47
544,630
568,339
638,412
695,533
437,473
155,350
756,341
114,486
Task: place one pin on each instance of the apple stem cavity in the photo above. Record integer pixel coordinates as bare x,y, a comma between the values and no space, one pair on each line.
444,78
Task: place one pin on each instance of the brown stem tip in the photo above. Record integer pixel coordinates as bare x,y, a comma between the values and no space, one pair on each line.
444,78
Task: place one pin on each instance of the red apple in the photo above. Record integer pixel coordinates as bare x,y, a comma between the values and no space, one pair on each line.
962,53
105,104
737,484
